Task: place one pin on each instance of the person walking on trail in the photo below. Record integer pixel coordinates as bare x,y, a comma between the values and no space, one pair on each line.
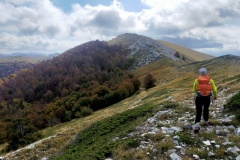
205,88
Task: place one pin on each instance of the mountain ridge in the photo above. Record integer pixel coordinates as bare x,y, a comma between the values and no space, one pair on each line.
148,50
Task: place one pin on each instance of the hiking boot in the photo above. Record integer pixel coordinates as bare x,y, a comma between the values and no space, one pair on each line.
196,129
205,123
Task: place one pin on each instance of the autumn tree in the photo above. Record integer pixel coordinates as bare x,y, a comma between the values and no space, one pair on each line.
149,81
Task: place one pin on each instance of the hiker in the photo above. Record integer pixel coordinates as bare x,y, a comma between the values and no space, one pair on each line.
205,88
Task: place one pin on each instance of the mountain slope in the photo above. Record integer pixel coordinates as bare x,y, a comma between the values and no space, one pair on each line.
147,50
191,54
144,49
173,84
82,80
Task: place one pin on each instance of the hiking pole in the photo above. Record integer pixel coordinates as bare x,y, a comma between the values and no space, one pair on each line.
212,101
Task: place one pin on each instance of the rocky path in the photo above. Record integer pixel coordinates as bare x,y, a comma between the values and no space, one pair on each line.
218,140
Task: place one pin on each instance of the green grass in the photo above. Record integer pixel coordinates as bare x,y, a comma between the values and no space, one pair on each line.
96,142
157,94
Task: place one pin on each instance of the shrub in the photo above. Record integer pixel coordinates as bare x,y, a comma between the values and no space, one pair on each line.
149,81
169,104
233,103
186,138
164,146
85,111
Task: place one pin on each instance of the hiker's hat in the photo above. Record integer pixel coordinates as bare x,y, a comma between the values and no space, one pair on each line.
203,71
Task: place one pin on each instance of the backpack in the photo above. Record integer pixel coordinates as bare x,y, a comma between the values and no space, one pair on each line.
204,86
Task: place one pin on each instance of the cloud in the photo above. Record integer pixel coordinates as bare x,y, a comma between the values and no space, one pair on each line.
194,43
40,26
34,44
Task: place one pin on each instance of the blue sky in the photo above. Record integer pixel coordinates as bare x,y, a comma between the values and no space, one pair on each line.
129,5
54,26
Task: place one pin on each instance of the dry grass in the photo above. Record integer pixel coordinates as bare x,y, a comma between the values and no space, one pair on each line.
193,55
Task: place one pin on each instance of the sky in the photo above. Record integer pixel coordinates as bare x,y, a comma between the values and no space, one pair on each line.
54,26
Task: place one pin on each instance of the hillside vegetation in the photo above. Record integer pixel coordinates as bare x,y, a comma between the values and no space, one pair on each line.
82,80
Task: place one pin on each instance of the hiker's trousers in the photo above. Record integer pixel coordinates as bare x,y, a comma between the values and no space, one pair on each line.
202,105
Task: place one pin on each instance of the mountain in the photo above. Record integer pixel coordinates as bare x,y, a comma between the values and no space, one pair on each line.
147,50
90,85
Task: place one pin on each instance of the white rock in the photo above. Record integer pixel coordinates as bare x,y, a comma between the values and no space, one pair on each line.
178,147
217,146
238,157
151,133
174,156
226,143
170,130
234,149
207,142
210,154
213,142
196,156
238,131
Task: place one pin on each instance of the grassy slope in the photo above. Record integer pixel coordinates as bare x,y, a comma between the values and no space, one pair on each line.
171,81
177,82
191,54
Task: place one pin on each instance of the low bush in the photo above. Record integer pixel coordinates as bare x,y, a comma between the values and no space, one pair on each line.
233,105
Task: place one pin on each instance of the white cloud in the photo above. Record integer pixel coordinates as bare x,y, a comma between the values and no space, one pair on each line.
39,26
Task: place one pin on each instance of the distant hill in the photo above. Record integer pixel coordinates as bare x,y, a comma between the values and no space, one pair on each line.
8,68
26,57
12,63
191,54
147,50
